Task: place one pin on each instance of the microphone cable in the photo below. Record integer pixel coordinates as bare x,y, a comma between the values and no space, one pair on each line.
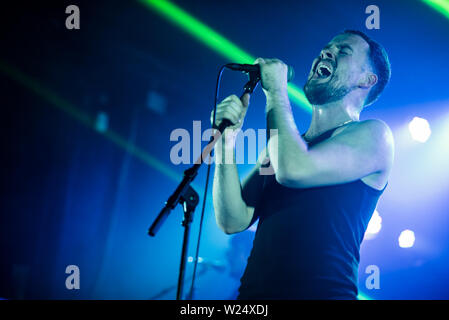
195,261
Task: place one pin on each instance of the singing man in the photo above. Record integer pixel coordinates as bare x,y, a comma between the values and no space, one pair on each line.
314,210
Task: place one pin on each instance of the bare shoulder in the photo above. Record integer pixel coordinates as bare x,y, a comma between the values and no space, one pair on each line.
377,135
377,127
380,134
372,132
372,127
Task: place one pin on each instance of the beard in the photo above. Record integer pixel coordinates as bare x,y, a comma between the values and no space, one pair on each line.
322,93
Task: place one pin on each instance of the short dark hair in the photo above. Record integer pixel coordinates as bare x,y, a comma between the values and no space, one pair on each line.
380,64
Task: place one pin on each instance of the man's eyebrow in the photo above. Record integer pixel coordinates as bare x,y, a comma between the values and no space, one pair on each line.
340,46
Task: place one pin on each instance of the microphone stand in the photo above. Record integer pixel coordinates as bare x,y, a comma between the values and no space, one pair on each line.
185,195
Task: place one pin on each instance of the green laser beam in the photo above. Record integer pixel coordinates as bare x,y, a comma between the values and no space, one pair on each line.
442,6
54,100
199,30
215,41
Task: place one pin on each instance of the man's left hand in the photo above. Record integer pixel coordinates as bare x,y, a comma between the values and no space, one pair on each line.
273,75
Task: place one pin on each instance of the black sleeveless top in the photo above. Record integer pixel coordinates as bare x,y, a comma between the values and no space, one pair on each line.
308,240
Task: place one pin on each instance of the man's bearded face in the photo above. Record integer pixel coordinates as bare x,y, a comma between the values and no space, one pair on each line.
337,70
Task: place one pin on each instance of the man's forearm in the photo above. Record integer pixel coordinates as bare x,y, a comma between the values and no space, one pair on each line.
231,212
285,146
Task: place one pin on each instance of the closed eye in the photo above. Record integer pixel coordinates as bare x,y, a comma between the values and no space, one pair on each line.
345,49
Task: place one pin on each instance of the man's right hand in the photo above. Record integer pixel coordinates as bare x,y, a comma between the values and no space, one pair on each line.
233,109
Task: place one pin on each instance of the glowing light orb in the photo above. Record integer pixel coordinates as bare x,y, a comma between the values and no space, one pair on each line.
406,239
419,129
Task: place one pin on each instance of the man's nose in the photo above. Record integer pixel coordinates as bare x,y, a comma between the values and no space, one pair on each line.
327,54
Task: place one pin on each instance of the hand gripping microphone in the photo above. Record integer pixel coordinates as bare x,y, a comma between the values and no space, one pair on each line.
247,68
253,71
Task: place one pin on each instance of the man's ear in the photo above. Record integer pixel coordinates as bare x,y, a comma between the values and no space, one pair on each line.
368,80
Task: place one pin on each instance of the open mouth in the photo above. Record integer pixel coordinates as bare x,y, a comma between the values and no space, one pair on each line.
324,69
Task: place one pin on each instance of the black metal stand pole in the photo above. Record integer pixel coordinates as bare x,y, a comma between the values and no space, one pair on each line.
185,245
189,202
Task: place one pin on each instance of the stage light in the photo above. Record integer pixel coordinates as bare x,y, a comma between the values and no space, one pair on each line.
406,239
215,41
419,129
441,6
374,226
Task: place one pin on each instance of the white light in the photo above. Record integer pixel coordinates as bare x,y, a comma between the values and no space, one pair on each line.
253,228
374,225
190,259
406,239
419,129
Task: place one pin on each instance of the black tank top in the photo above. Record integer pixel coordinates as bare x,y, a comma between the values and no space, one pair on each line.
308,240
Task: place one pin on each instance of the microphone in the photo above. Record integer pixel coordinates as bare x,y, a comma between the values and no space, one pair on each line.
256,68
253,71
